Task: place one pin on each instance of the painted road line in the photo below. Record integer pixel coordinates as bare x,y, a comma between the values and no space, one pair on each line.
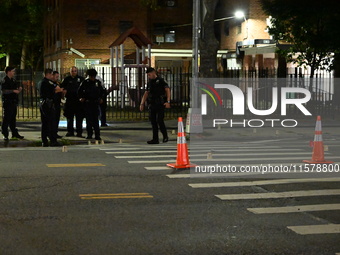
148,161
220,155
121,149
148,156
316,229
156,168
245,160
185,176
295,209
287,194
264,182
115,196
75,165
136,147
137,151
256,159
225,174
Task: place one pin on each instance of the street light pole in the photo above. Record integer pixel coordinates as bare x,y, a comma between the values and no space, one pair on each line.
195,39
194,110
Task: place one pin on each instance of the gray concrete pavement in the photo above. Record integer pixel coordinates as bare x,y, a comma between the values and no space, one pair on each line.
119,198
141,132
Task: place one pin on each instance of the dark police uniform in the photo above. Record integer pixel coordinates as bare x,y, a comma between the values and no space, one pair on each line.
10,104
93,93
48,114
57,104
156,99
103,107
72,106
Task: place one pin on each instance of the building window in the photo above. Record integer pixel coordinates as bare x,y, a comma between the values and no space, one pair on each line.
86,63
238,27
125,25
93,27
226,28
170,37
164,33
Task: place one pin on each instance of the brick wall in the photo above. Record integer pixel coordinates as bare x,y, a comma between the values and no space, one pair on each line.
256,20
70,18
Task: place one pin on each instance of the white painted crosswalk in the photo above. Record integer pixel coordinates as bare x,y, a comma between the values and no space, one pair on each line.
260,183
155,158
295,209
316,229
286,194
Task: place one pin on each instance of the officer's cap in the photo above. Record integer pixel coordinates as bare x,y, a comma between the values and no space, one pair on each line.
150,70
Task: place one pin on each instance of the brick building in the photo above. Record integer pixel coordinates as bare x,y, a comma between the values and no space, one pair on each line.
79,32
246,39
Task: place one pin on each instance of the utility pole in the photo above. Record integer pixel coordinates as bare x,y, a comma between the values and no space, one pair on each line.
196,30
194,117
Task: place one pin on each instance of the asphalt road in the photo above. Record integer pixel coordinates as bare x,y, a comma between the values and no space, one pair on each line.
121,199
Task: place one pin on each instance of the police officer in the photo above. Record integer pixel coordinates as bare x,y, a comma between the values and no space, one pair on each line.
91,93
57,102
103,106
10,99
47,109
72,106
158,98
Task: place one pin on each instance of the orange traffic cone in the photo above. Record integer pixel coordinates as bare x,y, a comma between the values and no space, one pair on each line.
318,149
182,160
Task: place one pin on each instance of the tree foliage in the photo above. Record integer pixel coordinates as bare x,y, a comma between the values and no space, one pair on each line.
21,26
310,28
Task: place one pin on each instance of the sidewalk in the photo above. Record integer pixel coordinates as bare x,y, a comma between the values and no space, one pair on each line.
140,132
127,132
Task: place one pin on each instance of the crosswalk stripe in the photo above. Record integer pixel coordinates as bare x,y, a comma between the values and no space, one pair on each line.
148,161
224,155
287,194
137,151
155,168
262,182
75,165
316,229
295,209
148,156
226,160
224,174
136,147
185,176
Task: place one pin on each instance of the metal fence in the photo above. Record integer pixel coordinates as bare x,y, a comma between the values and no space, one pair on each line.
129,87
123,102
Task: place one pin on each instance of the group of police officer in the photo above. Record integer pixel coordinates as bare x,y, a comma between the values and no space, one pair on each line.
83,97
83,100
10,99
